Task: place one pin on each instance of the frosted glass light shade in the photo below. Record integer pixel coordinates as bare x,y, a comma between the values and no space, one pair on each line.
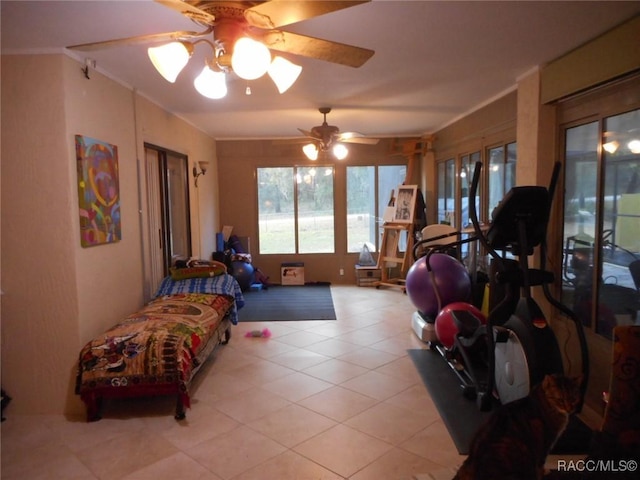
211,84
340,151
283,73
311,151
250,59
170,59
611,147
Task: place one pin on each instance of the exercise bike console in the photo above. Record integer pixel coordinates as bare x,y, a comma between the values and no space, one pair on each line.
522,207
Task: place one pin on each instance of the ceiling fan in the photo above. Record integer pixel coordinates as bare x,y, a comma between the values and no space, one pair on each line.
325,137
241,35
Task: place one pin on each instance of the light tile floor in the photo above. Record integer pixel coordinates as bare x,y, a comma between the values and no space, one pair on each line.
319,400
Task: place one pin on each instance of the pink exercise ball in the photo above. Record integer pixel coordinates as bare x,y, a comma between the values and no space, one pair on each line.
446,328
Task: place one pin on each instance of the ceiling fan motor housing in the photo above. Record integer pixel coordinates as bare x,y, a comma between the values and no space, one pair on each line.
325,134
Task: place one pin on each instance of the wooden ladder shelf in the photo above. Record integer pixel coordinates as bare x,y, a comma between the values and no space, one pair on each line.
390,253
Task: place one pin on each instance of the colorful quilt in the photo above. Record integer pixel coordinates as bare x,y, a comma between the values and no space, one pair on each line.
158,349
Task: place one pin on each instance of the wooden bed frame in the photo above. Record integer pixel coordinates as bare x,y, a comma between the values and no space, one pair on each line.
93,399
159,349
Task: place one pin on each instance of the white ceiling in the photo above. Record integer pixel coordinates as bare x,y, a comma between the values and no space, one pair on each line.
435,60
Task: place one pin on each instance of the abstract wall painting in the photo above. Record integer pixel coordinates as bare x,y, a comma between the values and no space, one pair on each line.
98,191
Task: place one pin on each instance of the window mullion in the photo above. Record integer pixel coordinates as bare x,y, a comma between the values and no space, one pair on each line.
295,210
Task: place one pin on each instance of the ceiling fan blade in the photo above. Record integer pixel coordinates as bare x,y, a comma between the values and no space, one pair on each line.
308,133
278,13
140,39
356,137
188,10
360,140
317,48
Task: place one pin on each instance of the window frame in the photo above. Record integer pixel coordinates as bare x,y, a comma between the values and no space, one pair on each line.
595,106
481,153
381,198
295,193
163,157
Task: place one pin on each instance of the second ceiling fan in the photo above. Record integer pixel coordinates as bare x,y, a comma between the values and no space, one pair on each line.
327,137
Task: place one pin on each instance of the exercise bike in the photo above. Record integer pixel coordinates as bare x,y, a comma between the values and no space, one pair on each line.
516,347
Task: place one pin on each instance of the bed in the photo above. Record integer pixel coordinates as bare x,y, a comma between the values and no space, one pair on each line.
159,349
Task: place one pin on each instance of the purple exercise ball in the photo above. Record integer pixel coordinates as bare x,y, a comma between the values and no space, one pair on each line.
451,280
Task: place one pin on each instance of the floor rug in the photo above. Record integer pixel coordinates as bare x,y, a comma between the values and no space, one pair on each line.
288,303
462,416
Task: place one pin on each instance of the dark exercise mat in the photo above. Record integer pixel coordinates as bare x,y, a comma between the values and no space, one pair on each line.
462,416
288,303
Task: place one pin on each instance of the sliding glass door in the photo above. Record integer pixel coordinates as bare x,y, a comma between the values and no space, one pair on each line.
168,200
601,238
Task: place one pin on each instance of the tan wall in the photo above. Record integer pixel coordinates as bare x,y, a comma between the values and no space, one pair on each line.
238,161
102,270
57,295
40,304
613,54
490,125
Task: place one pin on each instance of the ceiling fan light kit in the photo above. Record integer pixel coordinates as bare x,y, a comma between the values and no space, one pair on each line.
211,83
250,59
283,73
311,151
244,35
340,151
170,58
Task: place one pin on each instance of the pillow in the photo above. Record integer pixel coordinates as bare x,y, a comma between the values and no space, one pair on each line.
196,272
219,285
194,262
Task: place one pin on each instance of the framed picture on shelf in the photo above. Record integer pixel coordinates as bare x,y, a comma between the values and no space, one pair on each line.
405,204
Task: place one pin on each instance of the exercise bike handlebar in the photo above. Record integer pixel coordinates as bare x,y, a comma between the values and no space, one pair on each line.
473,213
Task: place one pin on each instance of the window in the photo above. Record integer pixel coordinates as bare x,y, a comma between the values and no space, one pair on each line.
446,189
295,210
315,209
465,177
361,208
467,168
502,172
499,177
367,199
602,221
